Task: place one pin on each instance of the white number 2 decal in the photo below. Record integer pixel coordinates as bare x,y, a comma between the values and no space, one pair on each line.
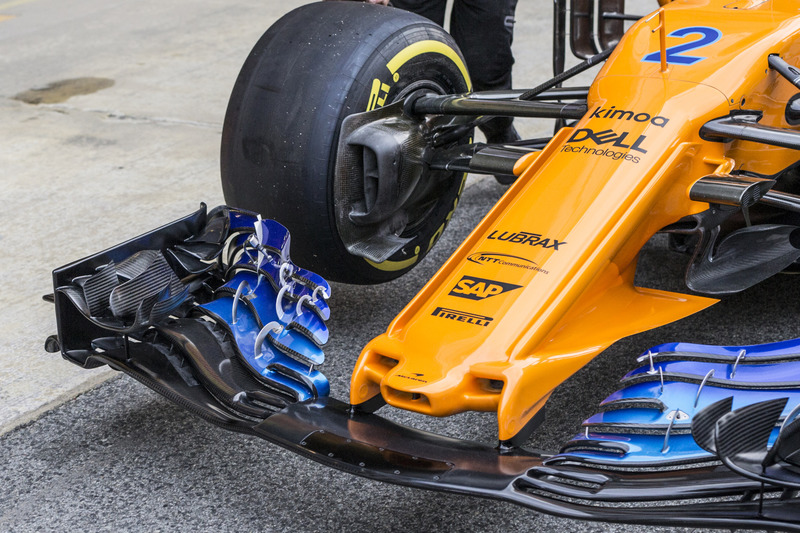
675,53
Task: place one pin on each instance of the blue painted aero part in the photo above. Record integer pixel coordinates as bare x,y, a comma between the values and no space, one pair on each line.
274,310
266,245
279,369
270,305
649,421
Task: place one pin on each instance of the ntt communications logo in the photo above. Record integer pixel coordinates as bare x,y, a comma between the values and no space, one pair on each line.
505,260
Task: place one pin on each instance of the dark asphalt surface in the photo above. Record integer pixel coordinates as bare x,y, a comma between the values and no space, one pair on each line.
121,458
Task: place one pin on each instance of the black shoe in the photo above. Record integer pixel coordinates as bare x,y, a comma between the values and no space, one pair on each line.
504,136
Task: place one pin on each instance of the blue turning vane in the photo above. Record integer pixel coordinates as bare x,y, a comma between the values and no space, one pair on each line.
275,311
215,292
651,420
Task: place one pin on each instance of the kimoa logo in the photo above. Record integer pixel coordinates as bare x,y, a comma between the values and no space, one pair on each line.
461,316
479,289
525,237
623,114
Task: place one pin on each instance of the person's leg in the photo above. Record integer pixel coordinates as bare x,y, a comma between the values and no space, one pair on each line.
431,9
483,30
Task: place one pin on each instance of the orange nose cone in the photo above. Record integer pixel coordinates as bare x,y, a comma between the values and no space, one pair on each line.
428,389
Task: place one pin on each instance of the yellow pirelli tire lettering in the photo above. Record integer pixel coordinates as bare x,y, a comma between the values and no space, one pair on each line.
380,90
427,47
378,94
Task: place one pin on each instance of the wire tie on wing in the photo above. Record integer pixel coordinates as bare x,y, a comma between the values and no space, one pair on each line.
652,366
279,303
258,281
738,358
251,241
702,384
262,254
586,433
271,326
260,236
317,291
236,297
299,309
673,415
661,376
285,267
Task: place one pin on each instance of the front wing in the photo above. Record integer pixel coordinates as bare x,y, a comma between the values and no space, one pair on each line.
232,331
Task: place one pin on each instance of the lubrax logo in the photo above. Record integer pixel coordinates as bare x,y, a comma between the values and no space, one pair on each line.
480,289
491,258
524,237
620,140
622,114
460,316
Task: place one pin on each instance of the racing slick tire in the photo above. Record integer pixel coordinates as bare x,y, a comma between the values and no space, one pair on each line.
308,72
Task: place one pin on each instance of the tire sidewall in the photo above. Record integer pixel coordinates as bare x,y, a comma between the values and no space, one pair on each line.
312,69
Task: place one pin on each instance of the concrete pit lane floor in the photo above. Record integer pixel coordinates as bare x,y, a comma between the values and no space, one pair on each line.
111,114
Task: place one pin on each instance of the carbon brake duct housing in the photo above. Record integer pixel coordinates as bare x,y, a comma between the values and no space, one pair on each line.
379,164
746,256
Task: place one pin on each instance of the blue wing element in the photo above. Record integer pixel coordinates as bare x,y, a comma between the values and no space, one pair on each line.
649,421
274,310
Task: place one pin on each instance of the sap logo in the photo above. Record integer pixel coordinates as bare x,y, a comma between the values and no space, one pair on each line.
524,237
480,289
607,136
622,114
460,316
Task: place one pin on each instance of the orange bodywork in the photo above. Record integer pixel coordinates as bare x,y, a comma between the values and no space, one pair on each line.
545,282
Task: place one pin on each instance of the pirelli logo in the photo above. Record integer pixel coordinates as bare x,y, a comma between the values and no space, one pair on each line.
461,316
